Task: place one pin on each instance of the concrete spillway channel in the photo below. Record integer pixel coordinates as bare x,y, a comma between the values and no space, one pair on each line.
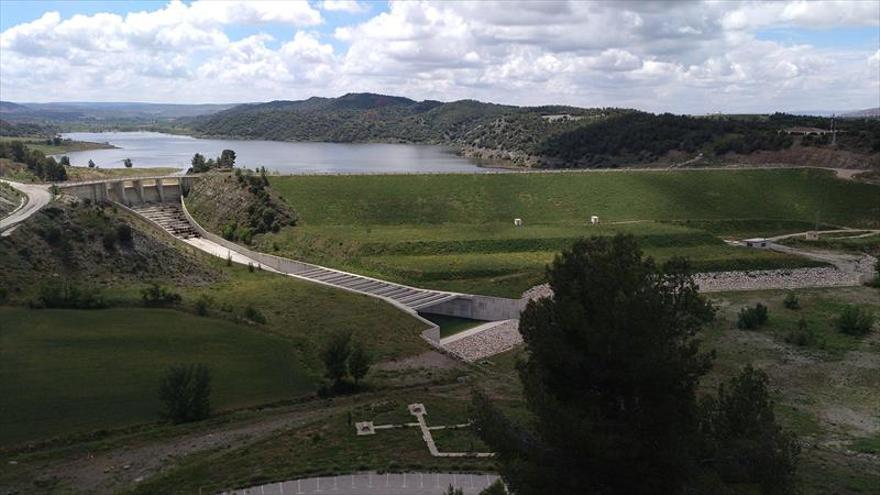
171,218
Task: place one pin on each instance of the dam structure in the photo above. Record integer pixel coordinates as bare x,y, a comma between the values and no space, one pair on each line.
161,200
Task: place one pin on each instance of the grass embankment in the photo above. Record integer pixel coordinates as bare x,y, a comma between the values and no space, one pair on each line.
456,232
826,391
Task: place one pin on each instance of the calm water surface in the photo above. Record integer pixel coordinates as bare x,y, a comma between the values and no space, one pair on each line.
154,149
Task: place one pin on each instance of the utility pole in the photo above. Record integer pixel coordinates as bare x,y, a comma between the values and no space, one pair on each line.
833,132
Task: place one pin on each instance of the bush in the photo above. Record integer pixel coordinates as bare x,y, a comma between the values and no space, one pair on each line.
791,301
804,336
854,320
185,393
253,314
752,318
496,488
203,303
108,239
4,294
123,234
69,296
156,295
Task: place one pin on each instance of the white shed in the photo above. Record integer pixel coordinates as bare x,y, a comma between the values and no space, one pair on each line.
594,220
517,222
757,242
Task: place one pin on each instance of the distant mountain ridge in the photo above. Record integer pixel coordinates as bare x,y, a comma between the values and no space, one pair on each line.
103,111
544,136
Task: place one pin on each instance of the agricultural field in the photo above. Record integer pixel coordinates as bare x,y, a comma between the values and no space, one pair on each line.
456,232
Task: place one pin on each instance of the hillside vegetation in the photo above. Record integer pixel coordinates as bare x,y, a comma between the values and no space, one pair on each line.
456,232
239,205
549,136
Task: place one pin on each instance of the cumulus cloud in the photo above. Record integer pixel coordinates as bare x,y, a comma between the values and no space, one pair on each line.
350,6
675,56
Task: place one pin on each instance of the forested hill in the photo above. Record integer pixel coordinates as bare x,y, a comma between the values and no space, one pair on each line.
551,136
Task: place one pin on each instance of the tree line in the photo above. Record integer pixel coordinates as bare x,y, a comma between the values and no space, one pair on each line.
44,167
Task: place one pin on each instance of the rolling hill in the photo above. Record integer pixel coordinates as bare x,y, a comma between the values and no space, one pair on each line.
546,136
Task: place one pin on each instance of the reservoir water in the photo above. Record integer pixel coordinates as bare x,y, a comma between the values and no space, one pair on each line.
154,149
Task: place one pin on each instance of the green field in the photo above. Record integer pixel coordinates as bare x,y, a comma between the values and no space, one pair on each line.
456,232
67,371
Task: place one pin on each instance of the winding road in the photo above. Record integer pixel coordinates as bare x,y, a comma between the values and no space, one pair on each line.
38,196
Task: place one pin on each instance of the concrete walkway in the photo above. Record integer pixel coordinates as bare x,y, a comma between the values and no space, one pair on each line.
372,483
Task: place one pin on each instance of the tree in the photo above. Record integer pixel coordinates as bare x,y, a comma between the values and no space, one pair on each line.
359,362
185,393
65,161
198,163
610,377
227,159
91,164
335,357
743,443
127,162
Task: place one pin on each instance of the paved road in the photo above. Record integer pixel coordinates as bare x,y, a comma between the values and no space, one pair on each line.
376,484
38,196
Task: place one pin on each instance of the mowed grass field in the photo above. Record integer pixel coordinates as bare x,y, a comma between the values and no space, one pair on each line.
67,371
456,232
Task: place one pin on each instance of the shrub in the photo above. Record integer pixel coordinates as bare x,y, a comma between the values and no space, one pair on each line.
253,314
4,294
752,318
53,236
108,239
496,488
203,303
185,393
804,336
69,296
791,301
123,234
156,295
854,320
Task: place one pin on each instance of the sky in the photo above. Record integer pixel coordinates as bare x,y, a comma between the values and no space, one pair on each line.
677,56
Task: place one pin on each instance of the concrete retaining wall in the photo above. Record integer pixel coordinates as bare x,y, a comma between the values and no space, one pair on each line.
486,308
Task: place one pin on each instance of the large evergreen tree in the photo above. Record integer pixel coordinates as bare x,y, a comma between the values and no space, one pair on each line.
610,377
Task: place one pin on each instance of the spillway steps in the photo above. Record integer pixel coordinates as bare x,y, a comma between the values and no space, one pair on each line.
171,218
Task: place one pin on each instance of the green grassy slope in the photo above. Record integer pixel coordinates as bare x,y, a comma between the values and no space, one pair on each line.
456,232
63,371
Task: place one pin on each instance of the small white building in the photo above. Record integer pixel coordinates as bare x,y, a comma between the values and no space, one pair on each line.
517,222
594,220
757,242
812,235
